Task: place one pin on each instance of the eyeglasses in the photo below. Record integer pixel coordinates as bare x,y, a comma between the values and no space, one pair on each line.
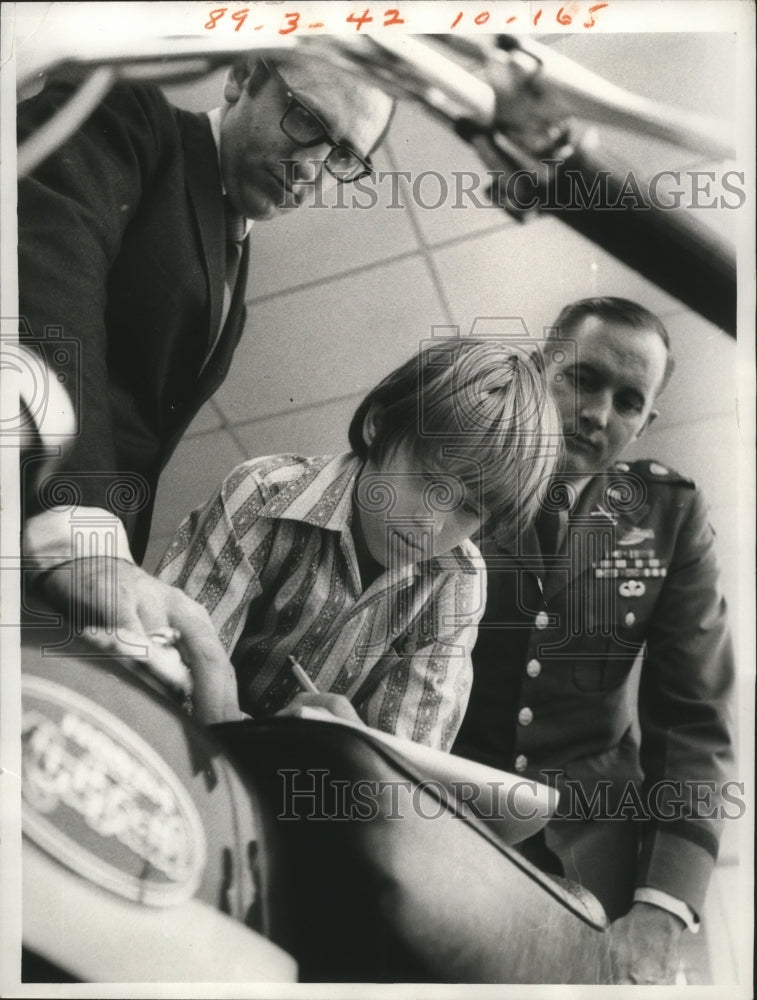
304,127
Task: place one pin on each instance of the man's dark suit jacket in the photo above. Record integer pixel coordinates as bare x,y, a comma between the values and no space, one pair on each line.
121,277
635,573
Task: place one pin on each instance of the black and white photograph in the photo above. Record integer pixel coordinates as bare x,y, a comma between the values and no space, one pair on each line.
377,442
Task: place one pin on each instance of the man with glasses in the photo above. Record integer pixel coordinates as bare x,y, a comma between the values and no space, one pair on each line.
134,244
258,140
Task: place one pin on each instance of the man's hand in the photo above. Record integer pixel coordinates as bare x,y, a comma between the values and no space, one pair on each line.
645,946
117,607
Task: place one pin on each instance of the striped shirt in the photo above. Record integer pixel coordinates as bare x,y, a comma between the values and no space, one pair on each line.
272,559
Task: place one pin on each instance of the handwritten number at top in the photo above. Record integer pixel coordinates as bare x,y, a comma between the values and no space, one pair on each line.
565,16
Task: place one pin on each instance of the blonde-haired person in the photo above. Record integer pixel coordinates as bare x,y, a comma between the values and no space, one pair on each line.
360,565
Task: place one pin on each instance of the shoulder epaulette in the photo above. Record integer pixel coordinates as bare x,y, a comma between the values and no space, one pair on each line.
654,471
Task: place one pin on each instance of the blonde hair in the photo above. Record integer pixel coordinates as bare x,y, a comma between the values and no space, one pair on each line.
479,409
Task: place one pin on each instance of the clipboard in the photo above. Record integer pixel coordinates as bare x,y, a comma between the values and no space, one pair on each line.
513,807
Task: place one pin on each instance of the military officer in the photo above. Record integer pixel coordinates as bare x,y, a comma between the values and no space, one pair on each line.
619,566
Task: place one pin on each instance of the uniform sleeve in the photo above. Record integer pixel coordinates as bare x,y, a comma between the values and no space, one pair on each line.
217,554
685,715
72,213
425,689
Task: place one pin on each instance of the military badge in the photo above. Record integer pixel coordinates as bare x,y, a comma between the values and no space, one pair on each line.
630,565
636,536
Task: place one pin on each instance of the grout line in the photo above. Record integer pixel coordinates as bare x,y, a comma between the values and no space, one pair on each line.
237,443
426,252
453,241
425,247
232,428
320,404
336,276
206,432
214,406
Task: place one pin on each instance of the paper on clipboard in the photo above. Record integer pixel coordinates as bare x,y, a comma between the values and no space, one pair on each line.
513,807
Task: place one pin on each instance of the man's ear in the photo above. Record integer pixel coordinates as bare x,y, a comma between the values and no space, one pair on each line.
238,79
233,85
372,424
653,415
245,75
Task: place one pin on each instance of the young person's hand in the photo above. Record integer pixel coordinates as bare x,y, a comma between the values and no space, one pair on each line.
123,611
336,704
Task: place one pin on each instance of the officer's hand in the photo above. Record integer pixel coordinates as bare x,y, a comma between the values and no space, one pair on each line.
336,704
118,607
645,946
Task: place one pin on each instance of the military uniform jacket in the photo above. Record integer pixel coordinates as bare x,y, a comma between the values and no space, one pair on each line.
121,280
634,574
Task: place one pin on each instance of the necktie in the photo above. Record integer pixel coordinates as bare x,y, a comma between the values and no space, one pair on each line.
551,521
235,226
548,531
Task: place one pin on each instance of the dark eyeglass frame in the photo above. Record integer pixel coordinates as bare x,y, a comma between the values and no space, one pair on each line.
366,163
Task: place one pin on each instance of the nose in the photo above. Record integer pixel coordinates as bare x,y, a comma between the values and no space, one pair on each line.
595,409
424,524
309,162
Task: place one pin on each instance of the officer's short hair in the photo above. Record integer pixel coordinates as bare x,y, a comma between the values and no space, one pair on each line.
478,409
611,309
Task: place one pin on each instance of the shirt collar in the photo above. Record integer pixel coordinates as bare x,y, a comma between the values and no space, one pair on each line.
322,496
215,118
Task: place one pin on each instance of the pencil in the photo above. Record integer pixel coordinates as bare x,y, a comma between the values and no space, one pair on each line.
302,677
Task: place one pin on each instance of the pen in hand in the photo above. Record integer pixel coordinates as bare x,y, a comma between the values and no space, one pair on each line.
304,680
335,704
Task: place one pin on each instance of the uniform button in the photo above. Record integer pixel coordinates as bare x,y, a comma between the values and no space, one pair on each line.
525,717
521,762
533,668
630,618
541,620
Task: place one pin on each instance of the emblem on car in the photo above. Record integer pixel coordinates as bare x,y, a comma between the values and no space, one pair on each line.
99,799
